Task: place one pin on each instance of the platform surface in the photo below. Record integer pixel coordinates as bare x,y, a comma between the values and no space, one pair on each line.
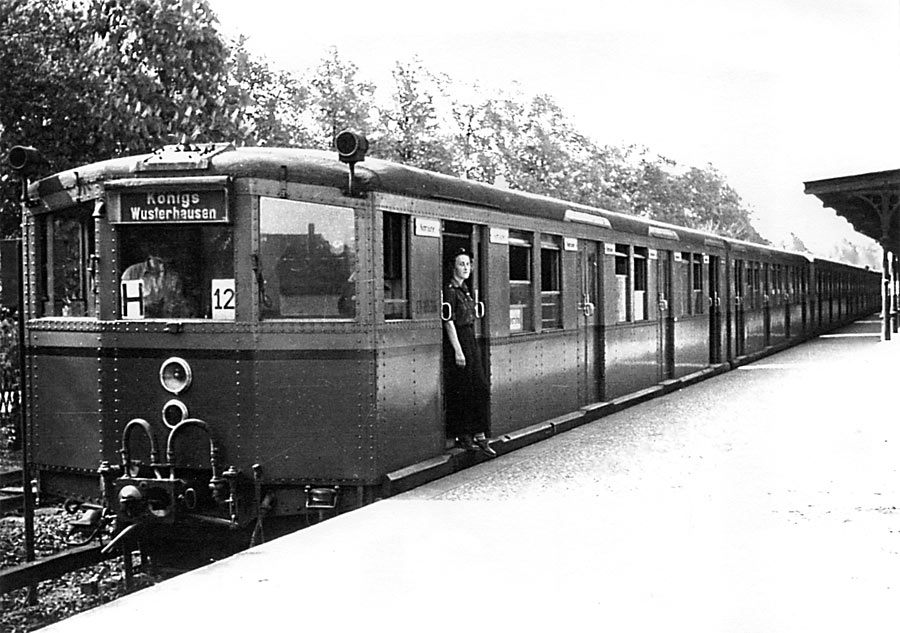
761,500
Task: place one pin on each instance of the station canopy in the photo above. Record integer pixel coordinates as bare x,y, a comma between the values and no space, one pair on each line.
868,201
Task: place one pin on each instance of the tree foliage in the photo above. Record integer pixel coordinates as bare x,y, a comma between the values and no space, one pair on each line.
410,129
267,106
85,80
338,99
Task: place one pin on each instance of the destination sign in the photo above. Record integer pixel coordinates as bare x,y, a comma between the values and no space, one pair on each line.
173,206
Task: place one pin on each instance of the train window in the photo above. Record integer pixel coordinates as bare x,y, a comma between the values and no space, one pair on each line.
687,296
67,251
756,287
177,271
551,286
395,240
640,283
520,293
697,283
307,257
622,269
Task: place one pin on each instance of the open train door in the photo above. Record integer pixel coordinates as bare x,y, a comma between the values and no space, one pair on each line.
456,235
590,345
666,360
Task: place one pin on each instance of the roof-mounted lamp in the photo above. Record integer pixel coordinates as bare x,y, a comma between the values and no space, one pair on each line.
352,148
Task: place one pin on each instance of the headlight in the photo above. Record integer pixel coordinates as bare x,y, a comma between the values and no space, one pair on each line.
173,412
175,375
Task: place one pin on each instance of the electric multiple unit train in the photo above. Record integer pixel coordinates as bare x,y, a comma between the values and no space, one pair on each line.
226,334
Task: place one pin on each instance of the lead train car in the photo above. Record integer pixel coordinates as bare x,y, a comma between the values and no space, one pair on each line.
226,332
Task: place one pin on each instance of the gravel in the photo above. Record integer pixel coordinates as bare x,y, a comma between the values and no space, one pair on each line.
60,598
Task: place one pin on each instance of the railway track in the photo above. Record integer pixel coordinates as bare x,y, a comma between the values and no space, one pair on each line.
45,568
10,491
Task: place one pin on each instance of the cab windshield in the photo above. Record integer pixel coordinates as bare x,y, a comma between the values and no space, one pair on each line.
176,271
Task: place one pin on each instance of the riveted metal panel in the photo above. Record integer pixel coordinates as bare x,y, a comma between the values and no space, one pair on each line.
692,344
631,357
65,402
534,377
314,412
410,426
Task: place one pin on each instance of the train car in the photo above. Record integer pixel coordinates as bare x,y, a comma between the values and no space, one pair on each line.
226,334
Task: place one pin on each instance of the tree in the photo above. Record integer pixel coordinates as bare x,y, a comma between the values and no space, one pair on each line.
410,130
338,99
795,244
270,107
86,80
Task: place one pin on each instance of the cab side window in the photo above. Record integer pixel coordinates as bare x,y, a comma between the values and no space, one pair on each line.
307,260
67,256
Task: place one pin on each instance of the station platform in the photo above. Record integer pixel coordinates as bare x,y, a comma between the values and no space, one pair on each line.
763,499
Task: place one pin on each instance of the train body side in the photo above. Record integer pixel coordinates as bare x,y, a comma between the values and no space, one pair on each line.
322,369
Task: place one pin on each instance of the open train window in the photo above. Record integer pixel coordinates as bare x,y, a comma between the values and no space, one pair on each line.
757,285
307,260
395,242
67,252
697,283
551,286
622,282
640,283
177,271
520,293
686,294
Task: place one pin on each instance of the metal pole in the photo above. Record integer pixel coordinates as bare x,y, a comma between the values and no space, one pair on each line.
886,294
895,306
27,498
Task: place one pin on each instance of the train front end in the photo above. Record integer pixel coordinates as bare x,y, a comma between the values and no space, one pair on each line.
138,371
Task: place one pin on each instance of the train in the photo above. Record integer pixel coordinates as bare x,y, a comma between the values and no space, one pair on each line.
220,337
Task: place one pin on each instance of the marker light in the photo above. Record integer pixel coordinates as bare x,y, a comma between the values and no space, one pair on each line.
175,375
351,146
173,412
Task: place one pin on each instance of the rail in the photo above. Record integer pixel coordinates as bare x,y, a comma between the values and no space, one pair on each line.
49,567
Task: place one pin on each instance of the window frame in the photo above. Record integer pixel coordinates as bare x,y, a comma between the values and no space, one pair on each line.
350,287
622,271
551,273
522,285
86,304
395,254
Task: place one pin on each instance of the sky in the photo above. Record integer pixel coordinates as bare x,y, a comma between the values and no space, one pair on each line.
772,93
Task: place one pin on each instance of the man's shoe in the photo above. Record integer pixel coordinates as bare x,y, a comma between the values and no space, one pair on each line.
482,444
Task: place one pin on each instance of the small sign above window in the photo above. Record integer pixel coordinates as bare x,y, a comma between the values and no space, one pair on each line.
499,236
570,244
427,227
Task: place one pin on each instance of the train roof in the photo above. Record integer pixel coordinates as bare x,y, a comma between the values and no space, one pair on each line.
316,167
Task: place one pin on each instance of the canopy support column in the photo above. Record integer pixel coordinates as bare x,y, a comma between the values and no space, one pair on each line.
885,205
886,294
